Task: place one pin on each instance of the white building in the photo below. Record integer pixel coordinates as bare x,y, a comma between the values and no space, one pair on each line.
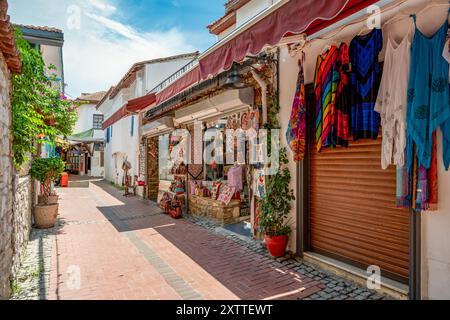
88,137
120,125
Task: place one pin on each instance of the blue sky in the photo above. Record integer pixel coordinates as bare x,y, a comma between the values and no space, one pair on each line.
103,38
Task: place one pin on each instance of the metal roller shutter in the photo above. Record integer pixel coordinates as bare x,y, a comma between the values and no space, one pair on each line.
352,210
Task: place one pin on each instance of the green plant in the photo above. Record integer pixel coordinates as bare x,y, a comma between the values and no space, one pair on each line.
40,112
46,170
275,207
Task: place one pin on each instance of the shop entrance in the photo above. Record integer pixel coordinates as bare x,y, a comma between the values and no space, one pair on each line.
152,168
352,208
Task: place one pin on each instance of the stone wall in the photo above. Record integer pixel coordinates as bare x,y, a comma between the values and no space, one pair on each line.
215,210
15,194
21,222
6,172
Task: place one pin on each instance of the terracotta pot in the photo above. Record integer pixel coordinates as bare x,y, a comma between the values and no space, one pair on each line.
45,216
176,213
51,199
277,245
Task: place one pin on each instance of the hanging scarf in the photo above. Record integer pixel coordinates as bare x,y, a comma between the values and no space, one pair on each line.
403,190
432,204
296,132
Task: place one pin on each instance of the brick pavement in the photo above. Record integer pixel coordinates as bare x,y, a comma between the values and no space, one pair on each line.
124,248
110,247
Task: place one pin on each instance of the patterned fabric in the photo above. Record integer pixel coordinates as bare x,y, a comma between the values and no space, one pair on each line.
432,203
235,178
428,94
366,76
325,88
403,190
296,132
341,132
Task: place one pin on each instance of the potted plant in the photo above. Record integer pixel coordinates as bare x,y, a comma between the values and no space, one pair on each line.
274,209
46,170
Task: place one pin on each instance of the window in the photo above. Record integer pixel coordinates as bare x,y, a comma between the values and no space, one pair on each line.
132,125
98,121
108,135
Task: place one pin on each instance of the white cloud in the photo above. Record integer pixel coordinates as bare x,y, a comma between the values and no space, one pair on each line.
98,54
102,5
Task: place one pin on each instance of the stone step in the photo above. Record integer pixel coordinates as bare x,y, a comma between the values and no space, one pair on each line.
78,184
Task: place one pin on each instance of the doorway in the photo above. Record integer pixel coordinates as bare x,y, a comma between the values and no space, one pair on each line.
153,168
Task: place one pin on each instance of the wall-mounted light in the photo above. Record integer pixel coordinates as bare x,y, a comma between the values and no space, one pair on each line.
235,79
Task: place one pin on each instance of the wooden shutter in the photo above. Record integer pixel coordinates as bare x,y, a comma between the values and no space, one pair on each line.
353,214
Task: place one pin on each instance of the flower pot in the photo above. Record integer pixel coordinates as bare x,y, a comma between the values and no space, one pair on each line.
277,245
176,213
45,216
53,199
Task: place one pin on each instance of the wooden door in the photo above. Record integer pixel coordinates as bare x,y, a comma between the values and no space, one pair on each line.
153,168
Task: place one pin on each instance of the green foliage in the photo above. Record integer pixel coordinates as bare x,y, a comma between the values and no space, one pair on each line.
275,207
47,170
40,112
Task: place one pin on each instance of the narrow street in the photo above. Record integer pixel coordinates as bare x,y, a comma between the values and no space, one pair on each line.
107,246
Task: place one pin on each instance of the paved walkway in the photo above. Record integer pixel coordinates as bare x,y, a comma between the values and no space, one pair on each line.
111,247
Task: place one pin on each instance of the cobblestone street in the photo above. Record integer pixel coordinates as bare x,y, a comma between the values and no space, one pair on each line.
107,246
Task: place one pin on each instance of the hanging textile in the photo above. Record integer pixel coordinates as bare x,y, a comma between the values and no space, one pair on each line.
446,125
366,75
428,94
296,132
341,134
392,99
325,90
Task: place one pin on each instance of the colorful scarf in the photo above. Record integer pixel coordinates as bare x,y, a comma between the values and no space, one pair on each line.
296,132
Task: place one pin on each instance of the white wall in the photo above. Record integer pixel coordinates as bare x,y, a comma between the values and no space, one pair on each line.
288,79
122,145
85,117
436,240
250,10
157,72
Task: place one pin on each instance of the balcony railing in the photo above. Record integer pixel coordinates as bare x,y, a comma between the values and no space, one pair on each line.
175,76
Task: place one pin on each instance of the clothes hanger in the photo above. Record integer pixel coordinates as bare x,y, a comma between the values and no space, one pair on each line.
405,15
364,19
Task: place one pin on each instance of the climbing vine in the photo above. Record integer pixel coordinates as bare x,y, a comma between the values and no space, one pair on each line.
40,113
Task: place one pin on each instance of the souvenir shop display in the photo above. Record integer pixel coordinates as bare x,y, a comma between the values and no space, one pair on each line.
365,81
234,175
392,99
296,132
226,194
428,110
332,101
407,99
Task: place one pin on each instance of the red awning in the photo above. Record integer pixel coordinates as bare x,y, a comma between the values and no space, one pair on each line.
138,104
120,114
190,78
295,17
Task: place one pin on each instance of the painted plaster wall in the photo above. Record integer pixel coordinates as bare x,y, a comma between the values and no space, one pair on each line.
85,117
121,145
158,72
250,10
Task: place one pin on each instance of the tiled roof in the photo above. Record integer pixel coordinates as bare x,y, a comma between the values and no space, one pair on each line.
130,75
7,42
108,93
92,97
40,28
